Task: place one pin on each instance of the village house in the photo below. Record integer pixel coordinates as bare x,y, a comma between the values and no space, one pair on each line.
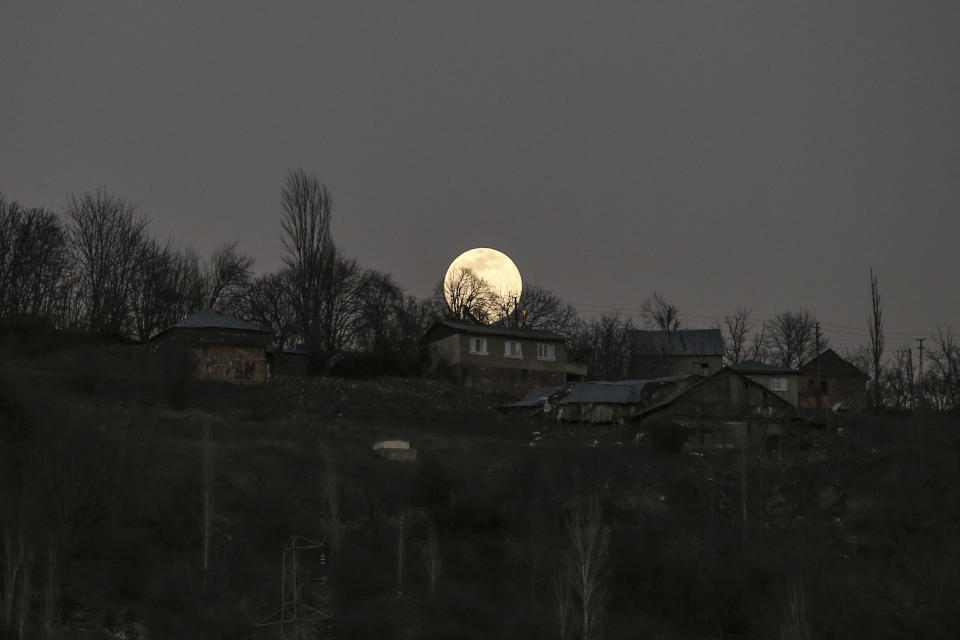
726,409
501,358
216,346
842,387
780,380
657,354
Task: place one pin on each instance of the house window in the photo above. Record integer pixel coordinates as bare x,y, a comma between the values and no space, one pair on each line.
546,352
478,346
512,349
777,384
701,368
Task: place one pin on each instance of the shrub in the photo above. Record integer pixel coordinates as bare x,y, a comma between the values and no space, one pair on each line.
667,437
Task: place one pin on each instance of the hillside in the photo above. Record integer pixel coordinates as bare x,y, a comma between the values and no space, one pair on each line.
105,468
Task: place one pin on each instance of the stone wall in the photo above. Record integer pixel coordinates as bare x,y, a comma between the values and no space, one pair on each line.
516,382
229,363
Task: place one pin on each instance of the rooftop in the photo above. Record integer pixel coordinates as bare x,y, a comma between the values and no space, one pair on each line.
679,342
488,330
755,366
211,319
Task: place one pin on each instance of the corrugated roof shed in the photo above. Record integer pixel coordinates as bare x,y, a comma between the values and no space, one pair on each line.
536,397
619,392
598,392
679,342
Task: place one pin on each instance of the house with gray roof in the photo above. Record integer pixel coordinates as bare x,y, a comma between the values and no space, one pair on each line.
501,358
657,354
215,346
781,380
829,381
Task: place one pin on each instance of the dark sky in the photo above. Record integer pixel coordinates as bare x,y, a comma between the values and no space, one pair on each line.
729,153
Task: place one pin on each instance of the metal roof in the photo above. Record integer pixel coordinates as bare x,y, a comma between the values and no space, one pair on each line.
619,392
705,381
755,366
832,365
506,332
536,397
679,342
598,391
210,319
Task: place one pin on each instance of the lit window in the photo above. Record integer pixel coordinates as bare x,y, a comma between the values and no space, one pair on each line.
512,349
777,384
546,352
478,346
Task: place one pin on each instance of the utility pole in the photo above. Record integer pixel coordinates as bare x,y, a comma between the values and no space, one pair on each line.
913,389
817,329
920,368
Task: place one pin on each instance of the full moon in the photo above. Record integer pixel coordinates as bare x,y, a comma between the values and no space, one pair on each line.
495,268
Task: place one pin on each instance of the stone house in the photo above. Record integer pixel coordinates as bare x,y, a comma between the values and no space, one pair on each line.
780,380
843,386
501,358
215,346
658,354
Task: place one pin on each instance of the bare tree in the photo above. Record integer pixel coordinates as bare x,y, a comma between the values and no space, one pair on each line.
379,297
330,498
586,563
792,338
794,617
227,274
207,474
413,317
759,348
340,318
467,298
406,520
660,314
32,261
875,324
268,302
106,240
604,344
897,383
307,211
432,558
540,308
736,333
941,384
563,604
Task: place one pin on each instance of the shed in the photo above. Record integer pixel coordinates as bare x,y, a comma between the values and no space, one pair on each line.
599,401
217,346
722,409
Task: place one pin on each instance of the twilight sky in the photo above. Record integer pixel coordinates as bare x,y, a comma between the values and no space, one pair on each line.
757,153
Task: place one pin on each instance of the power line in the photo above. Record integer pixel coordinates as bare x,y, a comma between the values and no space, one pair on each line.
629,311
